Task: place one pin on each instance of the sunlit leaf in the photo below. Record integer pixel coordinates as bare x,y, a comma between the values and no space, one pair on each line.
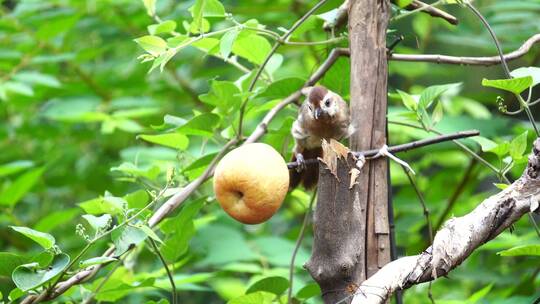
528,250
276,285
126,237
152,44
514,85
28,277
163,27
518,146
20,187
226,43
96,261
173,140
45,240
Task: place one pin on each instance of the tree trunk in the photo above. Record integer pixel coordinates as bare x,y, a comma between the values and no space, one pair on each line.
351,229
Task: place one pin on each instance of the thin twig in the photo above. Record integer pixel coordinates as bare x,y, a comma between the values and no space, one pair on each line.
461,60
404,147
418,8
504,64
284,38
535,225
462,146
342,12
182,195
434,12
457,192
422,201
297,245
169,273
89,299
493,36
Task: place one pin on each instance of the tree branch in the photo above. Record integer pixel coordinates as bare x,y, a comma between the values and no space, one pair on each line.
458,238
404,147
342,12
485,61
176,200
465,60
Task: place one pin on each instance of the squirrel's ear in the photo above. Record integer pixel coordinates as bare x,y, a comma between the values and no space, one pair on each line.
306,90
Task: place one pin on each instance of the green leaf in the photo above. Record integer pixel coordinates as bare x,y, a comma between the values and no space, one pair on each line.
254,48
403,3
137,199
126,237
223,245
437,114
96,261
201,125
108,204
477,296
308,291
45,240
226,43
150,233
15,167
130,169
152,44
514,85
276,285
408,100
163,27
27,277
337,78
276,249
56,219
98,223
9,261
534,72
77,109
431,93
224,95
15,294
205,8
282,88
501,186
150,6
518,146
173,140
37,78
176,244
485,143
259,297
18,88
523,250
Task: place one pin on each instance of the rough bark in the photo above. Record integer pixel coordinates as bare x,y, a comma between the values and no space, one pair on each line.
368,21
338,247
351,230
458,238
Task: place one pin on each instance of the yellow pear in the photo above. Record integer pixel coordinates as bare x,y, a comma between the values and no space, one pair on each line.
250,182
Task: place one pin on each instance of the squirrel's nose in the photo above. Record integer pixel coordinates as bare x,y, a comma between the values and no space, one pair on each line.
317,113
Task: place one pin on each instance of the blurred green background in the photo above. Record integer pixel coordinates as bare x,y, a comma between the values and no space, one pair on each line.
75,100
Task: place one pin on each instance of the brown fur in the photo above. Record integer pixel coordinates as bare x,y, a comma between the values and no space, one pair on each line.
316,95
309,176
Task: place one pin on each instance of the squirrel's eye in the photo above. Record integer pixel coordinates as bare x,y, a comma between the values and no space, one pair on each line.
327,103
310,107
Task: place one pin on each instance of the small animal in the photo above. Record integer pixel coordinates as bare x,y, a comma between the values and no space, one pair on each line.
323,115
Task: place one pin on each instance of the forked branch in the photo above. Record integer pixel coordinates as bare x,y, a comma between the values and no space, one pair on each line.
458,238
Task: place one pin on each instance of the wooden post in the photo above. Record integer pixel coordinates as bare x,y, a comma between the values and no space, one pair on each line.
351,229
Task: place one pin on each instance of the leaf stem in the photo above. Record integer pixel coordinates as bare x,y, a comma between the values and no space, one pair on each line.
283,39
297,245
169,273
462,146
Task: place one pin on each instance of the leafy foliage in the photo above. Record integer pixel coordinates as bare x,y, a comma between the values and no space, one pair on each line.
93,141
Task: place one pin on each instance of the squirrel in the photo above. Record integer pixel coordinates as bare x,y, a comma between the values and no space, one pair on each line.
323,115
